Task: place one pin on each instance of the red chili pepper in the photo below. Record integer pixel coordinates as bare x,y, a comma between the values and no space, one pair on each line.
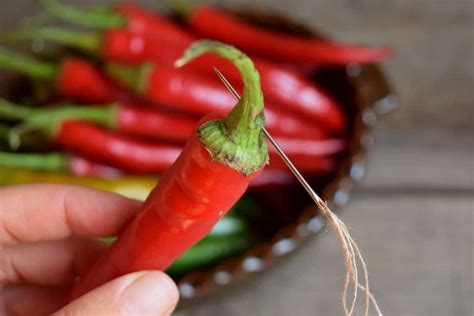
79,80
309,156
137,121
211,174
319,164
116,150
124,117
73,77
190,91
281,85
125,16
270,178
214,23
81,166
306,148
140,21
286,88
56,162
90,140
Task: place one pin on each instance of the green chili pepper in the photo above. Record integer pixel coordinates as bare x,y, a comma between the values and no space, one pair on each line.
208,251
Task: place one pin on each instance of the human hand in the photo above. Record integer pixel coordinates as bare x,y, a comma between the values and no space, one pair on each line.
48,238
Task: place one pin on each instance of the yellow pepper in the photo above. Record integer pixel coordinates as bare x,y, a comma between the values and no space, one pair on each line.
134,187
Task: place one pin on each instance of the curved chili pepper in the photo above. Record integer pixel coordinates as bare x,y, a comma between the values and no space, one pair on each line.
124,117
129,186
214,23
57,162
211,174
285,87
73,77
190,91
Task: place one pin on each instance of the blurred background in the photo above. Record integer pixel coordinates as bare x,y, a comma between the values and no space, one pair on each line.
413,215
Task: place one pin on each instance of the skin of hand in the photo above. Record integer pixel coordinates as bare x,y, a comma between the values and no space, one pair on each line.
48,237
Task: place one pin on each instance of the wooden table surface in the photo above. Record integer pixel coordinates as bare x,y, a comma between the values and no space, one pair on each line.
413,215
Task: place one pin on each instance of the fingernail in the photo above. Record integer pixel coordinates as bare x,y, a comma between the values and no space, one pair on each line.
151,293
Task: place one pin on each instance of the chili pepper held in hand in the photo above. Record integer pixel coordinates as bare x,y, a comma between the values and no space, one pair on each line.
57,162
73,77
189,90
230,236
287,88
211,174
123,117
129,186
209,251
230,225
124,16
218,24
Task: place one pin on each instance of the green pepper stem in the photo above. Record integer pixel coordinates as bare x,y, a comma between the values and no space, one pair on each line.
238,142
42,162
95,18
27,66
12,111
247,115
50,119
89,42
4,135
181,7
134,77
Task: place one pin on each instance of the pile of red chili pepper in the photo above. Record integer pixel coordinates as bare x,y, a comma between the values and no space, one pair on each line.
112,111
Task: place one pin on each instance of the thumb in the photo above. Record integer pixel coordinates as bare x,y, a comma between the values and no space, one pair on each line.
139,293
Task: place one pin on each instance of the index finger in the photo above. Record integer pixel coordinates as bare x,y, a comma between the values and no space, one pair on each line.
39,212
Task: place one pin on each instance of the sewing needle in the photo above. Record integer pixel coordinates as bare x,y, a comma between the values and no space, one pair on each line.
280,152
